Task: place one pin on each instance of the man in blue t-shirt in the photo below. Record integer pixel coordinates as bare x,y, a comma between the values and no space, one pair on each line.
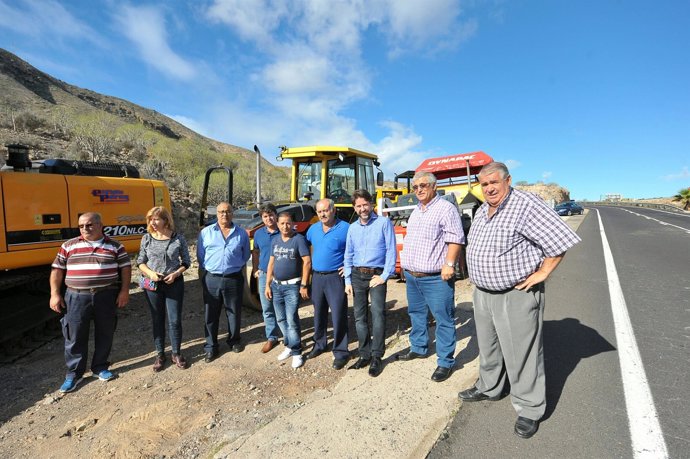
327,239
286,279
261,252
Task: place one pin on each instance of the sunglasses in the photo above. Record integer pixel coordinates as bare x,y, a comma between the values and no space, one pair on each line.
224,212
421,186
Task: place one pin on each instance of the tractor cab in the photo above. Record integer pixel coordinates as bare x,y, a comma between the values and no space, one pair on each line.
333,172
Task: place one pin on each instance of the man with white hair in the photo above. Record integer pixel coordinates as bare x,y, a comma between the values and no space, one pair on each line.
515,243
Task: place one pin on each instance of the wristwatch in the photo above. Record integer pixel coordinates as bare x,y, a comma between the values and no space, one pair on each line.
449,264
302,286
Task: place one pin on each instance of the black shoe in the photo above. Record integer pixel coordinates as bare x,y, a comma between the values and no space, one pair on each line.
376,367
315,353
360,363
339,364
441,374
474,395
210,357
409,356
159,363
237,347
525,428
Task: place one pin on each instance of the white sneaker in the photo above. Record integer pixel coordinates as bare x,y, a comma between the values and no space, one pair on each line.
297,361
285,354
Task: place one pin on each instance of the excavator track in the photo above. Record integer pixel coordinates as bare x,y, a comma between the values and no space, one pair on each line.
26,321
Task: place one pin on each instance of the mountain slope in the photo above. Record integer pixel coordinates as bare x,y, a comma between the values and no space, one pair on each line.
57,119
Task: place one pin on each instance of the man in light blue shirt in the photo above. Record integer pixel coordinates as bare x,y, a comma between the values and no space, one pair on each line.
370,254
222,251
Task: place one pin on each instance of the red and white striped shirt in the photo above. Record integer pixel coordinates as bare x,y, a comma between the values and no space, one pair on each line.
91,264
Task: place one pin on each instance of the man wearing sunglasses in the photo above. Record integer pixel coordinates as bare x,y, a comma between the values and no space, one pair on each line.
97,272
430,249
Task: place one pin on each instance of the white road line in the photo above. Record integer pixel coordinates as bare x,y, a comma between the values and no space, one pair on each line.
645,431
658,221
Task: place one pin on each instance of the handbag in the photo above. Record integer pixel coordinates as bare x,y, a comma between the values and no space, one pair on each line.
147,284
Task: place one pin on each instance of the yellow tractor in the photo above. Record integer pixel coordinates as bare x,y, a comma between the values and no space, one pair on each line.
318,172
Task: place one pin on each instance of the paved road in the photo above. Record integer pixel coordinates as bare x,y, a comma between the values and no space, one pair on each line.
587,414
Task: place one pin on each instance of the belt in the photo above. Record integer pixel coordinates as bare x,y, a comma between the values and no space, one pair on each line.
533,288
365,270
294,280
93,289
235,274
323,273
418,274
494,292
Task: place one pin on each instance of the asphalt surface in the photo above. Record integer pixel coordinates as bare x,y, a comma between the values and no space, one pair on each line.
654,250
586,414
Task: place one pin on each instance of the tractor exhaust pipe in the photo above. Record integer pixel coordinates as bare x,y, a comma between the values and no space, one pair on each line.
258,176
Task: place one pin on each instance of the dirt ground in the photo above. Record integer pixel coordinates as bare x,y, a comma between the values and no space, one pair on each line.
175,413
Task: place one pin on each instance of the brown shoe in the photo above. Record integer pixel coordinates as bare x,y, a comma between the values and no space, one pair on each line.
179,360
159,363
268,345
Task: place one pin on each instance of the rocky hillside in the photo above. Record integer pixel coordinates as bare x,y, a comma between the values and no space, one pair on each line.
548,192
59,120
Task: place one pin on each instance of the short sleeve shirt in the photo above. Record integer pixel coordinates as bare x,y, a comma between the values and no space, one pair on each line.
262,243
507,248
329,247
287,263
91,264
429,231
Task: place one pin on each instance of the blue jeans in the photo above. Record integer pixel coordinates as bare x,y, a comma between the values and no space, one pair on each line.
435,294
167,298
286,303
267,310
369,345
82,308
222,293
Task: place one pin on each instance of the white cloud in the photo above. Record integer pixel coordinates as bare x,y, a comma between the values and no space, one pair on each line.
512,164
311,74
46,19
307,66
399,150
145,27
253,20
684,174
425,25
546,175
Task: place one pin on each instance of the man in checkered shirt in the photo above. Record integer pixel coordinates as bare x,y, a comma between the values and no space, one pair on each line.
515,242
430,249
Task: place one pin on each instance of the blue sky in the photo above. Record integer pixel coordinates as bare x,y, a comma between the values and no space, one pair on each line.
592,95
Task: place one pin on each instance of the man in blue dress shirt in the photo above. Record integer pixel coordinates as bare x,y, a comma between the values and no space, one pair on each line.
222,251
328,287
369,261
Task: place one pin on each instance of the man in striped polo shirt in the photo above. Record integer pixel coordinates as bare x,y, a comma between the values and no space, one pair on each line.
97,272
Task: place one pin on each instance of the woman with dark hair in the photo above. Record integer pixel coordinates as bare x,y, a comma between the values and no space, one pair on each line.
163,257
